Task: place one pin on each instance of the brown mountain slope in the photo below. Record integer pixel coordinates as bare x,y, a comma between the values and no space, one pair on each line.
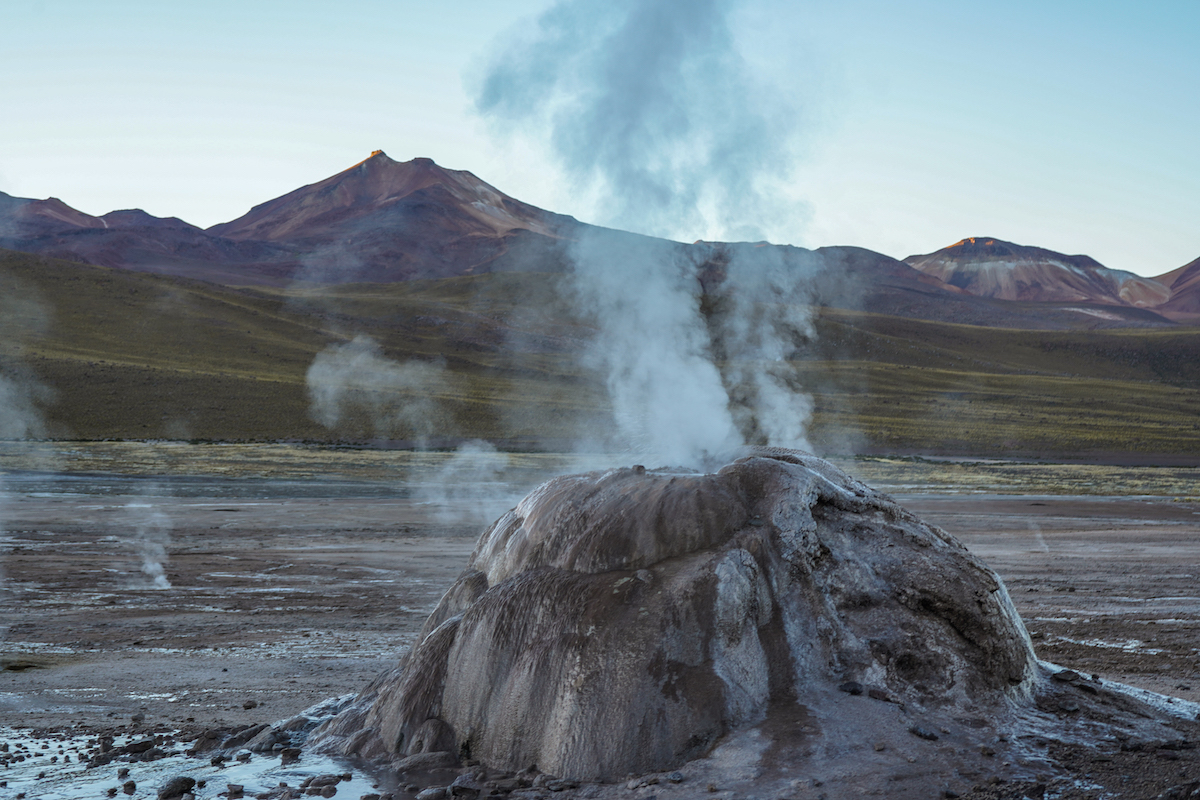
988,267
327,208
1184,284
382,221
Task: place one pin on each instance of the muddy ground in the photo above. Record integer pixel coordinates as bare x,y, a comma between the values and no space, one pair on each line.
277,601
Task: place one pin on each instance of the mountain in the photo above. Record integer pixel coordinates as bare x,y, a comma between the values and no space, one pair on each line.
1184,284
988,267
383,221
130,239
379,221
380,188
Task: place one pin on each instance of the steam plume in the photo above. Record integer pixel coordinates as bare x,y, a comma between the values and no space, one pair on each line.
151,536
356,382
470,488
651,106
652,110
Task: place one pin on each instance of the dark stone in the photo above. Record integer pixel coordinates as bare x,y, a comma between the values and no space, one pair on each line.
176,787
923,733
289,755
1067,676
852,687
465,786
129,787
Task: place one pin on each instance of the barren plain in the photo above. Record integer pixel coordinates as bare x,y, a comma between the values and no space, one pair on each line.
182,587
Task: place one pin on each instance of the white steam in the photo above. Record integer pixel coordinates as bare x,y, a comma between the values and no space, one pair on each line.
652,109
470,488
151,536
652,345
355,382
770,312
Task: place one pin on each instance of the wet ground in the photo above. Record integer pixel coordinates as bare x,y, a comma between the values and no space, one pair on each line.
180,602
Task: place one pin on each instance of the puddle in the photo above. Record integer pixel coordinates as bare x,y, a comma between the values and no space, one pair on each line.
54,767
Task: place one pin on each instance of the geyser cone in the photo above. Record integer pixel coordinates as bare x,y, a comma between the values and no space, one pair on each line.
621,622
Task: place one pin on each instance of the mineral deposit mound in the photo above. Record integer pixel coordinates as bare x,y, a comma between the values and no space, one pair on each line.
622,622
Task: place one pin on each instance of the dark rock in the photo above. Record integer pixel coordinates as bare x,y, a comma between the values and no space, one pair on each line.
465,786
234,790
851,687
176,787
328,791
1067,676
129,787
242,736
323,780
675,777
266,741
433,793
249,704
289,755
923,733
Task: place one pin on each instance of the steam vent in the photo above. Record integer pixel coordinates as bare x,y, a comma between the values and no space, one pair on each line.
619,623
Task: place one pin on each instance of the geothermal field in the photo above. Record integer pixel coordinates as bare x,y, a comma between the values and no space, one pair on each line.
194,596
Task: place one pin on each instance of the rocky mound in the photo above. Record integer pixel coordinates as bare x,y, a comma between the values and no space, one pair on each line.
623,622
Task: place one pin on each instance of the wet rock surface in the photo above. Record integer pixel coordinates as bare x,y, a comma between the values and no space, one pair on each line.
776,615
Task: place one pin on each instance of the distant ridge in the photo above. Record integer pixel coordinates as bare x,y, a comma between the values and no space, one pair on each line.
989,267
383,221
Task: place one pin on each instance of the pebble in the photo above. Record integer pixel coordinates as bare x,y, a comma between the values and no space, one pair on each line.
923,733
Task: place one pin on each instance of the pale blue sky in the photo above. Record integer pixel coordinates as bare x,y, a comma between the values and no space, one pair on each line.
1070,125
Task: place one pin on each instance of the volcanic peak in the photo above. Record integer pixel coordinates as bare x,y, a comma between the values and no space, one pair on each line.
380,185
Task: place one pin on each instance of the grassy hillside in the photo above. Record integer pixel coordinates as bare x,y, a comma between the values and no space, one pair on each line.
131,355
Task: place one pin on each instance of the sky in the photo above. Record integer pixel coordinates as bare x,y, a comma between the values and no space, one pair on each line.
907,126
